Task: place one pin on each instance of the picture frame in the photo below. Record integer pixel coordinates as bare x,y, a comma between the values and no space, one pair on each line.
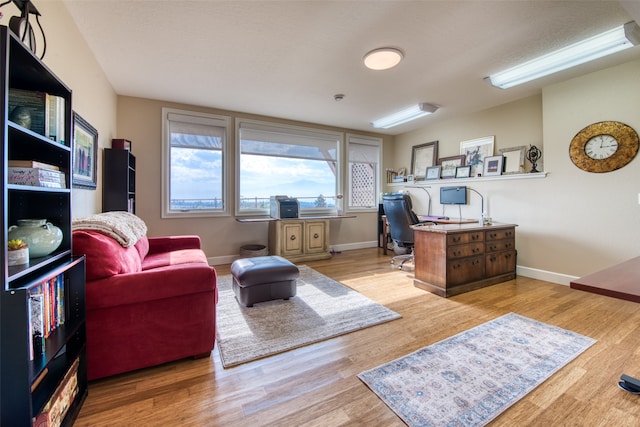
85,154
493,165
475,150
433,172
423,156
513,159
449,164
463,171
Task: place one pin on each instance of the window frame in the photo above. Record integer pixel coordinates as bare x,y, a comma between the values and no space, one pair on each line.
352,138
339,137
225,122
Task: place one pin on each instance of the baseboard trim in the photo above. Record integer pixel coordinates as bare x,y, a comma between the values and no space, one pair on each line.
228,259
547,276
534,273
352,246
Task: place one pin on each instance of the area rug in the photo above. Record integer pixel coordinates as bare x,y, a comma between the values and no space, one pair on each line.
471,378
321,309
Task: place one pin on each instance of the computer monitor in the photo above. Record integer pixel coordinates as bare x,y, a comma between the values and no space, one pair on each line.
453,195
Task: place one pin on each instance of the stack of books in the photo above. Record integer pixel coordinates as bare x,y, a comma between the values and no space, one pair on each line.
37,174
47,312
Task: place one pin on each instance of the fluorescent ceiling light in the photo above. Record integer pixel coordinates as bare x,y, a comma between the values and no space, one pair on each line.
595,47
383,58
404,116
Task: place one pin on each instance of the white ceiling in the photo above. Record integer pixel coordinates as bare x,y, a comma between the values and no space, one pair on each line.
289,58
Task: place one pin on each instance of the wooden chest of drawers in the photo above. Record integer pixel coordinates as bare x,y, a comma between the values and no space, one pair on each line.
455,258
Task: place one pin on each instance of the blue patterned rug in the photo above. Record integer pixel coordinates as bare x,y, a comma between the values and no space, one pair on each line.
471,378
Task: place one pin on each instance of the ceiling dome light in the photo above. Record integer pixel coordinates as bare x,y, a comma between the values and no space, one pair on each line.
383,58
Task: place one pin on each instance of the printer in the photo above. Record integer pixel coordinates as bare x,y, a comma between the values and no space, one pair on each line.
284,207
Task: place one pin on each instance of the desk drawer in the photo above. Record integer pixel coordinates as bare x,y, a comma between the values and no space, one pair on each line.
461,238
499,245
460,251
506,233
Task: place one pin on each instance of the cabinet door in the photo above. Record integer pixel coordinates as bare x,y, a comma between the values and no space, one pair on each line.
464,270
315,237
292,238
500,263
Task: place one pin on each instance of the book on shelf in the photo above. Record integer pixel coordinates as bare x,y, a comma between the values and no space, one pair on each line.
56,408
36,177
40,112
54,127
34,164
36,304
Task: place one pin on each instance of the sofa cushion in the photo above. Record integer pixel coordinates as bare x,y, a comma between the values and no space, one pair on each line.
150,285
104,256
182,256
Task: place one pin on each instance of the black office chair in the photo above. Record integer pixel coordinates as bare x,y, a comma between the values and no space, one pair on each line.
401,218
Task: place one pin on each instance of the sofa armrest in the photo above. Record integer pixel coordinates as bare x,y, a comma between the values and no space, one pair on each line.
173,243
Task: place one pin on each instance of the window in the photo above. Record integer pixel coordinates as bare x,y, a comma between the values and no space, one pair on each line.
363,180
194,151
286,160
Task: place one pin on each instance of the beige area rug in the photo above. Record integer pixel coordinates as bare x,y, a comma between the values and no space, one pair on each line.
321,309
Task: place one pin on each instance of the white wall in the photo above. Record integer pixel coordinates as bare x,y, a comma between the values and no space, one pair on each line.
571,222
69,57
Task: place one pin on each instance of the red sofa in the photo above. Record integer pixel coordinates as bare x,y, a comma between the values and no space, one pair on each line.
146,304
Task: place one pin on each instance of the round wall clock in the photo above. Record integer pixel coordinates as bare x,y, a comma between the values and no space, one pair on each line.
604,147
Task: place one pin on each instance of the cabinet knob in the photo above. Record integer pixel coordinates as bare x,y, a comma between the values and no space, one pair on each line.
315,236
292,237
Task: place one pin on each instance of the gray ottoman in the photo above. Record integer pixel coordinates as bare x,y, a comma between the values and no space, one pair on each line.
263,278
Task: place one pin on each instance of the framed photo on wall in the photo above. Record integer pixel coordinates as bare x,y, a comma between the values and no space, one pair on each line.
493,165
463,171
85,153
513,159
423,156
433,172
474,151
449,165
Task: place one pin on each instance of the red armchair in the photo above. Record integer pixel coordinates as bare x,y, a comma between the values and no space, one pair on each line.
146,304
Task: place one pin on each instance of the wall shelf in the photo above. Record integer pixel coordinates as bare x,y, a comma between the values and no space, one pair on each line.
455,181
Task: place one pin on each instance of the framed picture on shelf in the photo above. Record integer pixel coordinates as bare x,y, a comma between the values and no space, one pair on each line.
474,151
433,172
513,159
85,153
463,171
449,165
422,156
493,165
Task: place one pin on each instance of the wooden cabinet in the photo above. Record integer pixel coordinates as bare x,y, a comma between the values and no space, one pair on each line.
33,370
119,181
299,239
455,258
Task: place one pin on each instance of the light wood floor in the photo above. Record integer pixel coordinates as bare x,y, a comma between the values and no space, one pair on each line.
317,385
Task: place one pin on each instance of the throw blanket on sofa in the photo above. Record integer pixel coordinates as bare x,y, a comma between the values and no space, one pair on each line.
124,227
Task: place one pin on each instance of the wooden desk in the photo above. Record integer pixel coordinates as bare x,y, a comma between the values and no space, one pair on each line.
619,281
386,229
454,258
